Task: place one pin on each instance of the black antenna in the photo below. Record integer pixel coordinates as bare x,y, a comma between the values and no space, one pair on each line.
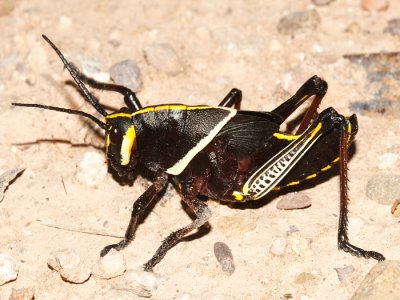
88,96
65,110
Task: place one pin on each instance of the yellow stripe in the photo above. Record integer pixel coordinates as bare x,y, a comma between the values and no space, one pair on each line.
173,106
326,168
293,183
127,144
118,115
311,176
302,99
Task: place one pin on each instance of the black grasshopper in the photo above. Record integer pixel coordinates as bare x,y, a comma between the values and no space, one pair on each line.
220,152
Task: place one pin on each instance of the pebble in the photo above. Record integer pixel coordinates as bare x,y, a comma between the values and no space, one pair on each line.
22,294
278,246
92,169
344,272
384,188
297,244
393,27
304,277
296,200
146,280
355,225
8,268
236,224
164,58
224,256
395,210
299,22
110,266
69,265
321,2
376,5
127,73
6,178
92,69
387,160
120,292
382,282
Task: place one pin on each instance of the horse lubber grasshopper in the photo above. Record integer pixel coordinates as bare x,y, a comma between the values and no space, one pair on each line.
219,152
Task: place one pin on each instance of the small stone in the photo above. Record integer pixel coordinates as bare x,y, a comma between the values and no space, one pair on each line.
235,224
65,22
355,225
92,69
127,73
376,5
304,277
393,27
69,265
22,294
299,22
278,246
344,272
8,268
92,169
353,27
296,200
164,58
395,210
185,296
382,282
387,160
110,266
120,292
297,244
143,279
224,257
384,188
321,2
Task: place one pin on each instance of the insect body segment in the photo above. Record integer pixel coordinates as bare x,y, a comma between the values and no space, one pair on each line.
219,152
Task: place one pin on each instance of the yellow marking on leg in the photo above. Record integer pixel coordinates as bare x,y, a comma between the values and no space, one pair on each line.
238,196
305,97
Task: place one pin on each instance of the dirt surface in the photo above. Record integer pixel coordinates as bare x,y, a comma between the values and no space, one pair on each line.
217,45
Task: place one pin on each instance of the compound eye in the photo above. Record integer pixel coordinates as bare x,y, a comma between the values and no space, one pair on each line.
116,136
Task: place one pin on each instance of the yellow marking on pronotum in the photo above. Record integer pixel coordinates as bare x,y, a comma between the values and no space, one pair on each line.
127,144
174,106
326,168
283,136
117,115
237,195
311,176
336,159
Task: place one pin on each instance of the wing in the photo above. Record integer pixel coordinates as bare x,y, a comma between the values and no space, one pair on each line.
247,132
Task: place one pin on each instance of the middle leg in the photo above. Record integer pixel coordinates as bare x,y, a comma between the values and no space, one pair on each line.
203,213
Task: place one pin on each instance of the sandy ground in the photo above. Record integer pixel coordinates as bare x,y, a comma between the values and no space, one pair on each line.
219,45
